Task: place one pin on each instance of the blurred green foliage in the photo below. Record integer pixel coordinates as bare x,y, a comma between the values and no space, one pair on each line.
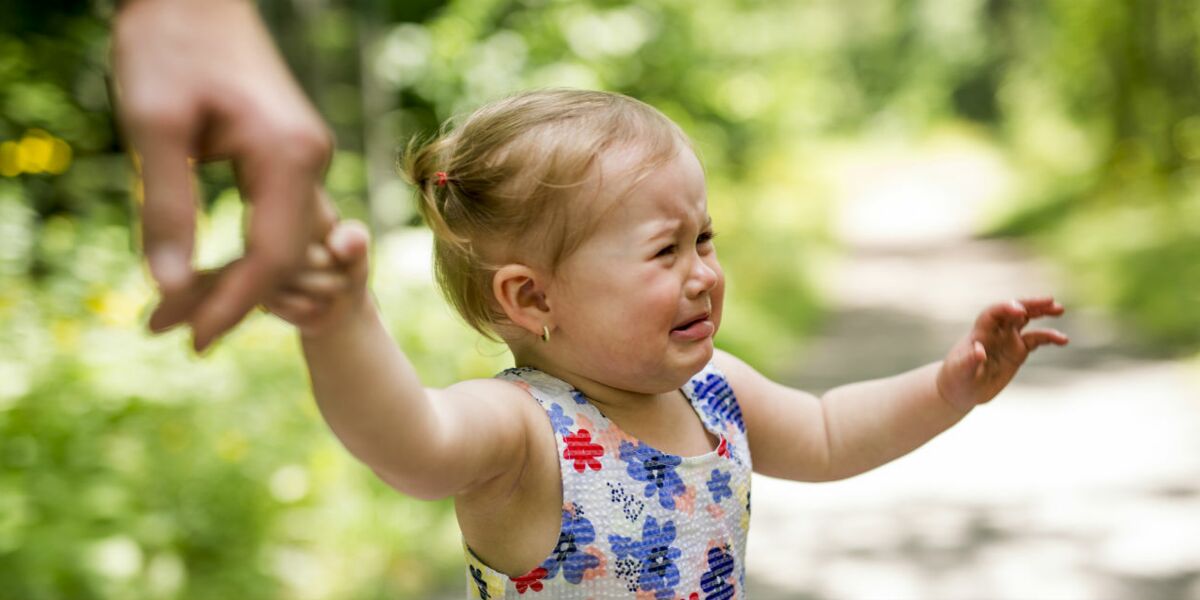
130,469
1106,121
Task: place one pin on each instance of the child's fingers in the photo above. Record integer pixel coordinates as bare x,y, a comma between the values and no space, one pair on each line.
967,358
1003,314
979,356
294,307
319,257
1042,306
1017,313
348,241
293,316
319,283
1040,337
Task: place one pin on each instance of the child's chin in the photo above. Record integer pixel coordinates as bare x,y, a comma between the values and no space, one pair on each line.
704,351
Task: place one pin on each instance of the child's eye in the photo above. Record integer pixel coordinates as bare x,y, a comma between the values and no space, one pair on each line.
706,237
665,251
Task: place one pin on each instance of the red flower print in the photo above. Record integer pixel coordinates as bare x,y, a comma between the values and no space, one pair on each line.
723,447
581,449
530,581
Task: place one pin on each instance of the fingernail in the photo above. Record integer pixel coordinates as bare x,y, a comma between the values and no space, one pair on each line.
340,240
170,268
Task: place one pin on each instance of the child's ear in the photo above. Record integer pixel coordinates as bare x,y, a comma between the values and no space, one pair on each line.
521,293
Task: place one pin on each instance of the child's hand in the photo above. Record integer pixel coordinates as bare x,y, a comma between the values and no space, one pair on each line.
984,361
332,284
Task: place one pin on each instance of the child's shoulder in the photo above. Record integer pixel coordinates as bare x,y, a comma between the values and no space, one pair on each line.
513,391
749,385
503,406
503,388
730,367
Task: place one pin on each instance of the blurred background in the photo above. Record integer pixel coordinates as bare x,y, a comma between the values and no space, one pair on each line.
879,172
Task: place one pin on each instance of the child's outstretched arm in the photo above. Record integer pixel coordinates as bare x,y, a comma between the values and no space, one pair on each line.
426,443
857,427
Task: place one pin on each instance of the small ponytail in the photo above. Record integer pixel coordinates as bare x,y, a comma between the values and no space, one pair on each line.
504,185
420,165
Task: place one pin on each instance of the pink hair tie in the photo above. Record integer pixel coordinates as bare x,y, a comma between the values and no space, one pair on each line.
441,178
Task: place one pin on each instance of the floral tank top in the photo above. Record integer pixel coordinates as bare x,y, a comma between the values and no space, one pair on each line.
637,522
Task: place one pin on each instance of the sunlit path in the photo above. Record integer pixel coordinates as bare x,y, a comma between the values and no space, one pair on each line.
1082,480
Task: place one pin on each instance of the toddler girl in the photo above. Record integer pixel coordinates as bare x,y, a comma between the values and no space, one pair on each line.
614,460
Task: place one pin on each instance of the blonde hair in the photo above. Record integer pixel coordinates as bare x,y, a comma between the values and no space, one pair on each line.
509,178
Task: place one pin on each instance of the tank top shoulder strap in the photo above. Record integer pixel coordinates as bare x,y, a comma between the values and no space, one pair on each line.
713,398
572,418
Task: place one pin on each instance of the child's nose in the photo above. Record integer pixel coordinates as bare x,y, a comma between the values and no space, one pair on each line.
703,277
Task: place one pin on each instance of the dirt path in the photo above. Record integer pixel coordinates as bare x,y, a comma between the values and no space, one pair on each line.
1081,481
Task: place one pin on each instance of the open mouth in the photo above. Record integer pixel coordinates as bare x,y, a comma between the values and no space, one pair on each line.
695,329
691,323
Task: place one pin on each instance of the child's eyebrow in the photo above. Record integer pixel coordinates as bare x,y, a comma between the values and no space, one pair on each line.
674,225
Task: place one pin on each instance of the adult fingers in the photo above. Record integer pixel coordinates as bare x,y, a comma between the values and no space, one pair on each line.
169,206
175,308
243,286
159,118
179,306
281,182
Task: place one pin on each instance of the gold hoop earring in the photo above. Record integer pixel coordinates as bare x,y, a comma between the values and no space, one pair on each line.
545,333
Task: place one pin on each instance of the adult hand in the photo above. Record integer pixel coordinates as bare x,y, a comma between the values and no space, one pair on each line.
201,79
333,285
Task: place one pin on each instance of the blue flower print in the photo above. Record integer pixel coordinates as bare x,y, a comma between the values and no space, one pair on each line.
477,575
718,484
714,392
655,556
559,420
576,533
656,469
578,397
715,581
